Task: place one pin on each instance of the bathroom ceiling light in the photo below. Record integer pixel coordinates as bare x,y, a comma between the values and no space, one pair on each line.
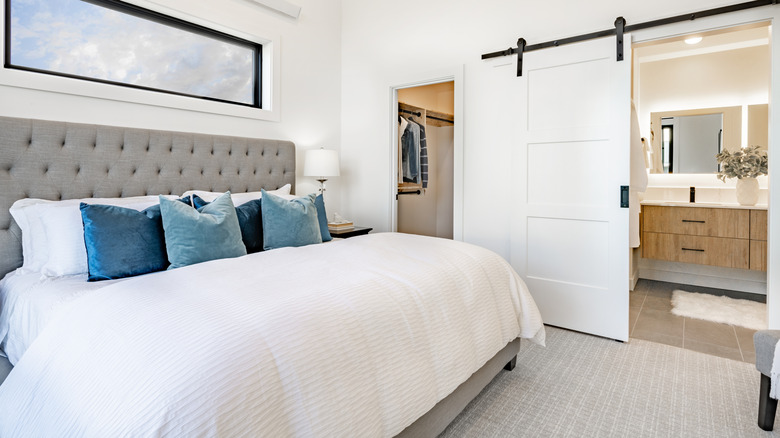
693,40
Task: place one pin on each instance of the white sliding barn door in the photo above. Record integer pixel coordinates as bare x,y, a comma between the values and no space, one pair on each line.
569,233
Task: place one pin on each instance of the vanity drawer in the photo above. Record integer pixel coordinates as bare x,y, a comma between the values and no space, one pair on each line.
758,255
695,221
758,224
703,250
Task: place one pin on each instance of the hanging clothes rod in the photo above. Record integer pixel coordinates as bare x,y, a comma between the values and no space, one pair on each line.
419,114
413,192
620,28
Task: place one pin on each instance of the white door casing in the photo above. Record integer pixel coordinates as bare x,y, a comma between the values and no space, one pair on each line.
569,237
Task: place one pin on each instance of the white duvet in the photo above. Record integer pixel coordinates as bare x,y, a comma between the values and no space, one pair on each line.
354,338
29,301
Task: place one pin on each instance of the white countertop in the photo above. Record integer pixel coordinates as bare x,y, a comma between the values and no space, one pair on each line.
705,205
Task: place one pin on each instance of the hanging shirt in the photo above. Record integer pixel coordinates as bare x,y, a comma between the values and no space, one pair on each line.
423,158
411,151
402,139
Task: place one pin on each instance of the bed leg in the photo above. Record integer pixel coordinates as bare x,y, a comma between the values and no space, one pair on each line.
511,364
766,405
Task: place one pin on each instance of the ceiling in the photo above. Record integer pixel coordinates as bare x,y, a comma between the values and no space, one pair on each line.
714,41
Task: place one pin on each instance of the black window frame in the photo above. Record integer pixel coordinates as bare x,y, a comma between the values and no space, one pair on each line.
137,11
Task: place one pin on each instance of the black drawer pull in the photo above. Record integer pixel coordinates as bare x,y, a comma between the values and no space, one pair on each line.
695,222
692,249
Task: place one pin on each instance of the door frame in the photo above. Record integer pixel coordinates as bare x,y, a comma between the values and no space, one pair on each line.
411,80
763,14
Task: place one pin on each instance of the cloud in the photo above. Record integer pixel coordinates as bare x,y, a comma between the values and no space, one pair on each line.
75,37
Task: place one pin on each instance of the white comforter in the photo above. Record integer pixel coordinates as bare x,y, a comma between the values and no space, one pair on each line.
351,338
29,301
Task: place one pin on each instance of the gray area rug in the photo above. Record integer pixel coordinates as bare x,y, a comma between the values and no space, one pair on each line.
585,386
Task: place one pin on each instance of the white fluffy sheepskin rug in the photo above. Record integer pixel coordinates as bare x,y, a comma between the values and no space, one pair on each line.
722,309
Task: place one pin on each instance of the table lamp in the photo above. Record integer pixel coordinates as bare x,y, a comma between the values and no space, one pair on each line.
321,164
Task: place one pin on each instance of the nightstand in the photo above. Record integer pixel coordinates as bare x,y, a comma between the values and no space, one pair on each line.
357,231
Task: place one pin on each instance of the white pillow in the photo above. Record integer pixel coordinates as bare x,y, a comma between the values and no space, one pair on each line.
238,198
53,230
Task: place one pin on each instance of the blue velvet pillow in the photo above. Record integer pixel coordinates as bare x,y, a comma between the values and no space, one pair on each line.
195,236
249,221
122,242
322,218
289,223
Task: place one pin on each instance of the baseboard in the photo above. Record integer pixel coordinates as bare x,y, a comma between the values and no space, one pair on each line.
634,279
705,276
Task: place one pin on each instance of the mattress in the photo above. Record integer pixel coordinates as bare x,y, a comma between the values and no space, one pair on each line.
354,338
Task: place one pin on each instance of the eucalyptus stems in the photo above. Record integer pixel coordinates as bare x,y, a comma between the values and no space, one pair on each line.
749,162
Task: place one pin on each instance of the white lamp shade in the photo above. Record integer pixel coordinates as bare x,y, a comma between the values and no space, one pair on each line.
321,162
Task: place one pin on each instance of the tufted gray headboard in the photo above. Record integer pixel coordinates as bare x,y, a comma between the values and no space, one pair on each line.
56,160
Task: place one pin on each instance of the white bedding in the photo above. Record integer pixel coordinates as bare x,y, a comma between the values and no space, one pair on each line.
354,338
29,301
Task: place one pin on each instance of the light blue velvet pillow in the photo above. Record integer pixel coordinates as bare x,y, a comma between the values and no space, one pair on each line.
122,242
322,218
289,223
194,236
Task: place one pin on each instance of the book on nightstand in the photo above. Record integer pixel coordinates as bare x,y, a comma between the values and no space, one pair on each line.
340,226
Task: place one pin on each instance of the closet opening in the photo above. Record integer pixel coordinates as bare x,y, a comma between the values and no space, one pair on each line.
699,97
425,170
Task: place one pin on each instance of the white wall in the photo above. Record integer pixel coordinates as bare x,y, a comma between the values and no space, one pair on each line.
387,43
310,80
730,78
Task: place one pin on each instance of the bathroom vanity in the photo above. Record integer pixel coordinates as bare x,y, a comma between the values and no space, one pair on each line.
730,236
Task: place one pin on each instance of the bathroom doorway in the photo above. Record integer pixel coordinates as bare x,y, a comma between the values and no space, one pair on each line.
722,76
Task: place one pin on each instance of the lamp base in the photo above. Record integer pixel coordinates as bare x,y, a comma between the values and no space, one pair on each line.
322,185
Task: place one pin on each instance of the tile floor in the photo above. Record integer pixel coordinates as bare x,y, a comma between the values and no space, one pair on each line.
651,319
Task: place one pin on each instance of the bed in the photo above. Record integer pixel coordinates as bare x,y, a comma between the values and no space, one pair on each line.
379,335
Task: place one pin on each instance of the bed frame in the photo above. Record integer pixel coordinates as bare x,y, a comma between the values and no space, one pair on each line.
57,160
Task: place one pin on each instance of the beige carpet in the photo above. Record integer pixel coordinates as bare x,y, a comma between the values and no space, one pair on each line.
585,386
744,313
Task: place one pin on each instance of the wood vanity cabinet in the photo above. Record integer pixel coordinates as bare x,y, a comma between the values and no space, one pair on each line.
758,240
728,237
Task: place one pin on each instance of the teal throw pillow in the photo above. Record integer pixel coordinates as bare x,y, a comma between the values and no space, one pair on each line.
322,218
122,242
289,223
194,236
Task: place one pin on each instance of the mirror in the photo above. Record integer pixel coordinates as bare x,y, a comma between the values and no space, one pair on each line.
687,141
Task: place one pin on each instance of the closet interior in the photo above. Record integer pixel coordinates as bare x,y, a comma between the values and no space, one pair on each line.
425,160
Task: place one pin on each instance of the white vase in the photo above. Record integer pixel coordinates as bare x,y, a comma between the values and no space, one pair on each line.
747,191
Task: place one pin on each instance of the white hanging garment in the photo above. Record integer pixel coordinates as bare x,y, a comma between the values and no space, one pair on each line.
638,180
